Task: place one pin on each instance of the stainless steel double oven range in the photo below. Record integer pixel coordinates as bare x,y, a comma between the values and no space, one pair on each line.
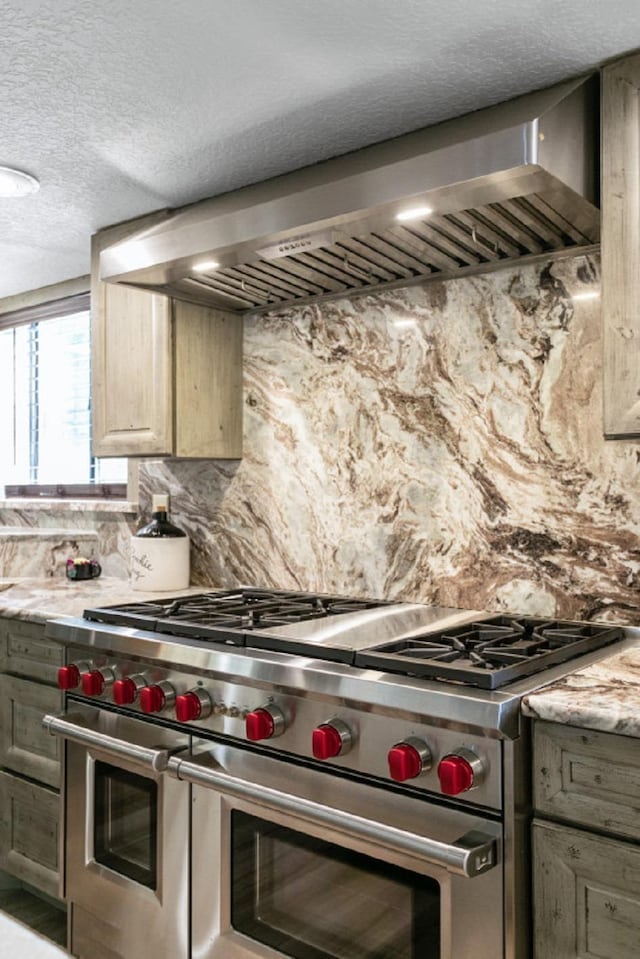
255,774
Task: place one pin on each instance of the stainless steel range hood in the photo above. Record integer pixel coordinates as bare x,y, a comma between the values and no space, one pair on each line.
516,180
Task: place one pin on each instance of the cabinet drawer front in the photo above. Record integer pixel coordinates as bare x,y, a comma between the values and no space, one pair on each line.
586,895
588,778
29,823
25,747
25,651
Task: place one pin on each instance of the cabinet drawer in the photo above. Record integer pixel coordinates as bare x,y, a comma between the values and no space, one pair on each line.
25,651
588,778
586,895
25,747
29,822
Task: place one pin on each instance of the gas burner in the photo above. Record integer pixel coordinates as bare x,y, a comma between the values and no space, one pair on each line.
224,617
491,653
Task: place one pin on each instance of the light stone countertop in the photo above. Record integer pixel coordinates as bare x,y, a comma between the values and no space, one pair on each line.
604,696
38,600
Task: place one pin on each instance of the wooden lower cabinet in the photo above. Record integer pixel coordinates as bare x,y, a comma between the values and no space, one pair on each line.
25,746
29,824
30,759
586,895
586,844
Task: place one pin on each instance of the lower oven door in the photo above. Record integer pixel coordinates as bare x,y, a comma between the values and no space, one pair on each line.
289,861
126,837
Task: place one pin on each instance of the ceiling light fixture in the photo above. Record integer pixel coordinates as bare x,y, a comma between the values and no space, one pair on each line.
415,213
205,265
14,183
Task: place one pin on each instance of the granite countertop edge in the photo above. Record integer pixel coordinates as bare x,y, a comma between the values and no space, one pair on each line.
604,696
36,600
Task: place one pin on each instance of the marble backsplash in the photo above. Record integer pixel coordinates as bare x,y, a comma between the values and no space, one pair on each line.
440,443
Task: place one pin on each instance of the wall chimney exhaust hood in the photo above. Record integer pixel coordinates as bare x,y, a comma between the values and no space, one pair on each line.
516,180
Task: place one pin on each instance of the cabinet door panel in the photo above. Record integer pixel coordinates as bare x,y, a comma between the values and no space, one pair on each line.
208,384
132,385
587,777
25,747
25,651
29,826
621,246
586,895
132,375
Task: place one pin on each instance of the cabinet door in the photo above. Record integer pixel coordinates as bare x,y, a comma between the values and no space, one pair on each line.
132,364
208,383
621,246
25,651
587,778
25,747
29,826
586,895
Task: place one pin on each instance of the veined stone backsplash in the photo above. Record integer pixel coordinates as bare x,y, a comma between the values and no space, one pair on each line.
440,443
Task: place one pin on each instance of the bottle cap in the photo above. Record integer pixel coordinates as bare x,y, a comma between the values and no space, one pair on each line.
160,503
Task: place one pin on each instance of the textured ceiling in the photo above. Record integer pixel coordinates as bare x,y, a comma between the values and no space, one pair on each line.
123,108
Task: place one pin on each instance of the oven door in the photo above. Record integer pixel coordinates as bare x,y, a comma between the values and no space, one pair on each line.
126,837
289,861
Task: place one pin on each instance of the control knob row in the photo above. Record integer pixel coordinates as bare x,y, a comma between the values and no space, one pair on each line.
457,772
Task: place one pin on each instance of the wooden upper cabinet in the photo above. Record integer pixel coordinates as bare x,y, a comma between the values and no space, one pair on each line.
167,376
621,246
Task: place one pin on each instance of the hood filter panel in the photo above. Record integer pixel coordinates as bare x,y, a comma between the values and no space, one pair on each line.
472,241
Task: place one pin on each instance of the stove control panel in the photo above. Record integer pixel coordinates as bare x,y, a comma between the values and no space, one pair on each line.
436,759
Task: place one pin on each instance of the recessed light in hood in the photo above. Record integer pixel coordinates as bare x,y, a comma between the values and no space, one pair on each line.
414,213
205,265
515,181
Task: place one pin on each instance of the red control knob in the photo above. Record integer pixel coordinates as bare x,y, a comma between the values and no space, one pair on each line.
152,699
404,762
326,742
124,691
456,775
264,723
93,683
68,677
331,739
196,704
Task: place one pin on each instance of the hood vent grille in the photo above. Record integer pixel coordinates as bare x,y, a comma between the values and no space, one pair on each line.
519,180
472,241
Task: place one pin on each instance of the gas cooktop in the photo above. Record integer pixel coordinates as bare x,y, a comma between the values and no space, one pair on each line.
409,639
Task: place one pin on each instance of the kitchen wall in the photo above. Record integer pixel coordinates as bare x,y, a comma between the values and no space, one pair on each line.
440,443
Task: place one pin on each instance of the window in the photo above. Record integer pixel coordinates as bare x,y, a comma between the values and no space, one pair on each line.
45,392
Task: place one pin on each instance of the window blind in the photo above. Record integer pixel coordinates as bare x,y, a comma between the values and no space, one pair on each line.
45,391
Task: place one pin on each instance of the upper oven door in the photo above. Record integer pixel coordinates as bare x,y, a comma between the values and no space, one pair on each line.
290,861
126,836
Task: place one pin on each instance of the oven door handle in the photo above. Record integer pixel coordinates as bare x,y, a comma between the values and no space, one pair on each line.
71,727
472,854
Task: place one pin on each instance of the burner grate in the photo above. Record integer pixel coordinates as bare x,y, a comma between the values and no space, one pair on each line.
225,616
489,654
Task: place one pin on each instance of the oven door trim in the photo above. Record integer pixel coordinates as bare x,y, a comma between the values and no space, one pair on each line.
470,855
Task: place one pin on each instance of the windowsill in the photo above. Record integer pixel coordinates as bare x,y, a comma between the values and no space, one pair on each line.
70,505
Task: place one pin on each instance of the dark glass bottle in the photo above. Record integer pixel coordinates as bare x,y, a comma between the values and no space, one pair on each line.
160,524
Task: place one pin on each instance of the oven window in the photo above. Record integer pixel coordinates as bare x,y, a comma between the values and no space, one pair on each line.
312,899
125,830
